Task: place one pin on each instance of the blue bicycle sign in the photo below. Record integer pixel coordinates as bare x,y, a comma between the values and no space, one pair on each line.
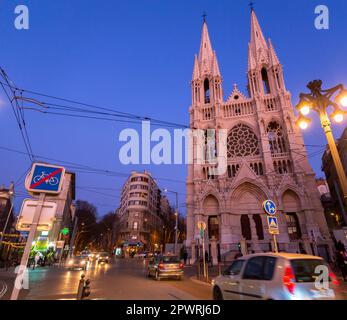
53,181
269,207
45,178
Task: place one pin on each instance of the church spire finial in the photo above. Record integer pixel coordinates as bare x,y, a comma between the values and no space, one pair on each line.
204,15
251,5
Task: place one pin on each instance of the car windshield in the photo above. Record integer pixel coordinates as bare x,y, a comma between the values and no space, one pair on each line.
170,259
305,269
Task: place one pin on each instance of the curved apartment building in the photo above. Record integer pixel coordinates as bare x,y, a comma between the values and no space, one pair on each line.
140,215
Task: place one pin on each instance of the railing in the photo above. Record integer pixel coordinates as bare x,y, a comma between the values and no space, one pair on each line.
238,109
280,155
208,113
271,104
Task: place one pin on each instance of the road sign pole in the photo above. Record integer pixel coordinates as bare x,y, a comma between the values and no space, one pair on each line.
203,256
275,243
25,257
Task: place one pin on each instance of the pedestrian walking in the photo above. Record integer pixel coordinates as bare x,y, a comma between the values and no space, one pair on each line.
206,256
36,260
341,261
185,256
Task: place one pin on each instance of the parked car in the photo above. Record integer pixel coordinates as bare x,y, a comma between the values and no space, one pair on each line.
275,276
78,262
103,257
165,266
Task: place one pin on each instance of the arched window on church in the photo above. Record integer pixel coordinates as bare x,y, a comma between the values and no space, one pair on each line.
207,91
210,148
259,226
246,227
293,226
265,79
213,227
276,138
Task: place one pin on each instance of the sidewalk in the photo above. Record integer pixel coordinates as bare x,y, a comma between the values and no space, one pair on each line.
191,271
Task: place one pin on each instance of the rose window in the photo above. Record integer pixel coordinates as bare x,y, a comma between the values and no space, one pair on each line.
242,141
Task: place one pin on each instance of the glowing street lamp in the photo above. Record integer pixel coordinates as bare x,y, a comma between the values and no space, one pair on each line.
320,100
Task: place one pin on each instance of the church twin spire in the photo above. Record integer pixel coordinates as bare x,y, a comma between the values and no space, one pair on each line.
206,63
261,58
259,51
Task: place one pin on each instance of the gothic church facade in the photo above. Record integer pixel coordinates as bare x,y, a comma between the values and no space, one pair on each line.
266,159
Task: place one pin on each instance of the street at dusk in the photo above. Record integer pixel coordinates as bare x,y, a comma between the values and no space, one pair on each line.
122,280
185,151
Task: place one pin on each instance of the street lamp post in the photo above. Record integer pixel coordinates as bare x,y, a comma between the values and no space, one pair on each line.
176,218
320,100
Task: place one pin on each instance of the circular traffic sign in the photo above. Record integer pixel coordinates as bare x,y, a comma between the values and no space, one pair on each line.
269,207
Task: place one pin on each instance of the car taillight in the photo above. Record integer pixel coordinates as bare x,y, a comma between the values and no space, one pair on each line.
181,265
333,278
288,279
161,265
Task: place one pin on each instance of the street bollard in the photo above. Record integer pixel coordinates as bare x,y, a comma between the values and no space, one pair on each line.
80,288
86,289
83,288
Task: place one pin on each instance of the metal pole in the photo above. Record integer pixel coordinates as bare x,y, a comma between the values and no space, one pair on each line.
176,223
203,255
275,243
24,262
334,154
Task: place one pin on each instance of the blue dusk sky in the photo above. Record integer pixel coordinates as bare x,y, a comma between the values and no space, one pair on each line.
137,56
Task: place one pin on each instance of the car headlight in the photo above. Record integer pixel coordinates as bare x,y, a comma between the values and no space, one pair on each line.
83,262
70,262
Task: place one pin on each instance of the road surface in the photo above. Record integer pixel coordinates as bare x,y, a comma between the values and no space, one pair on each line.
123,279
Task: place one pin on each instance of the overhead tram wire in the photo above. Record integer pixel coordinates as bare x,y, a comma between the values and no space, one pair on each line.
18,115
111,112
77,167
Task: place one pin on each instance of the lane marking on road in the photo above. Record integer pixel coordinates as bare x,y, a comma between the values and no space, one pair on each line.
172,295
4,288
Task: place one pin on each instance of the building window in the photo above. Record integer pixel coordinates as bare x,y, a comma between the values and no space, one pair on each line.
242,142
259,226
276,138
246,227
207,91
135,225
213,227
293,226
265,80
232,170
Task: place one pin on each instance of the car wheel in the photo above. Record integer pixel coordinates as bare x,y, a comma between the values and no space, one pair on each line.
217,294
